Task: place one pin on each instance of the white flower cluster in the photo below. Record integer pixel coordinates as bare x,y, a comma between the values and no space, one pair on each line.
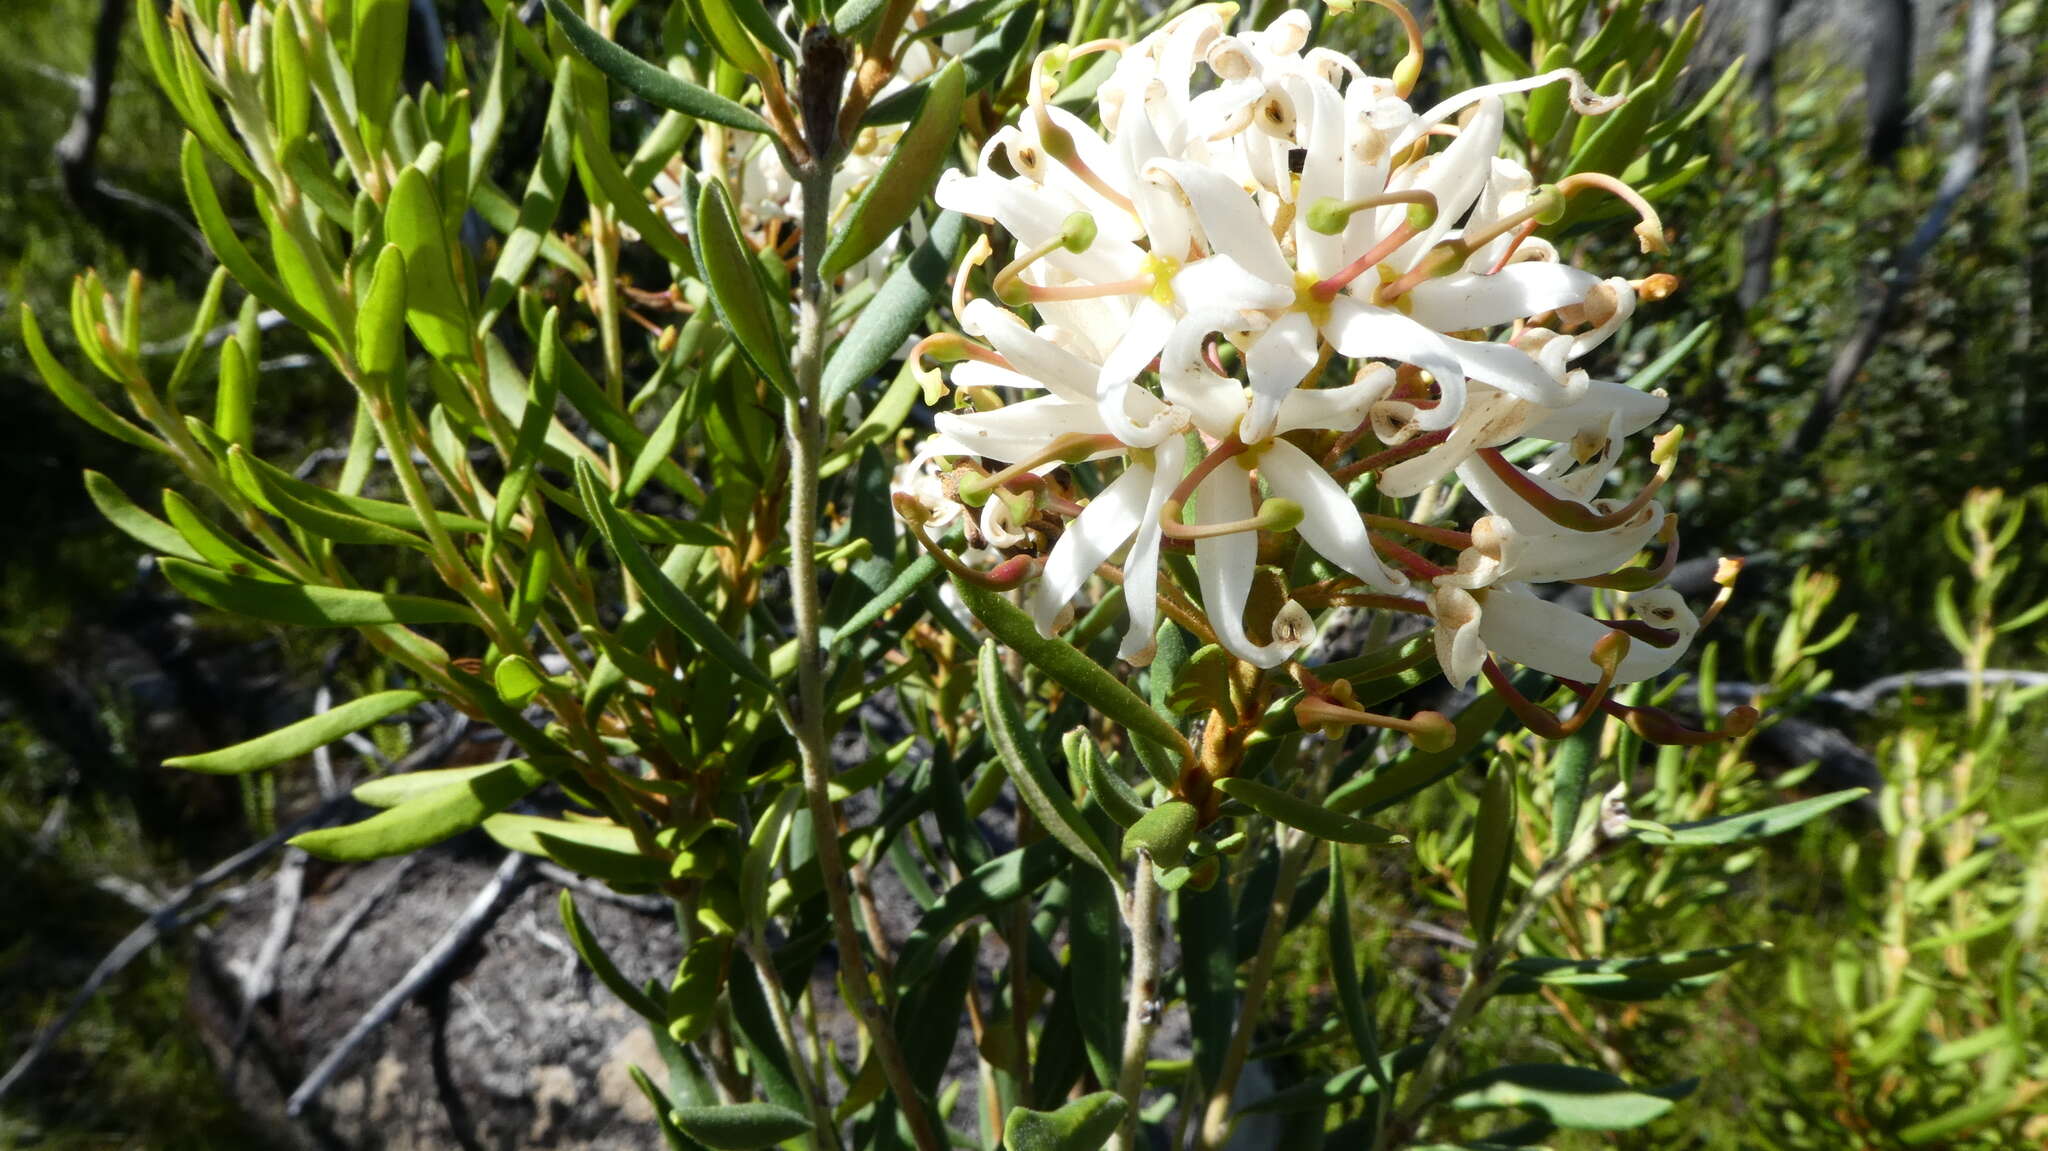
1253,219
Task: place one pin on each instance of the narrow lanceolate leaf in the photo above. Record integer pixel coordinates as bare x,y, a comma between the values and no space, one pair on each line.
993,884
1569,770
426,819
986,61
308,606
652,84
668,599
1313,818
382,512
1627,980
1728,829
76,396
1575,1097
603,850
1071,669
301,737
136,524
1493,835
914,575
1105,786
1095,969
740,1126
541,201
896,312
1353,1002
436,306
906,177
1417,769
728,266
1020,752
392,790
228,247
1083,1125
324,522
601,965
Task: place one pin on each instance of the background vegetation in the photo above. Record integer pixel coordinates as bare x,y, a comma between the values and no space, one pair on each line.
1895,996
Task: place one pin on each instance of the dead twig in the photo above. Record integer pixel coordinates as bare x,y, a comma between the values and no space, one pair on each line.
338,936
471,924
174,913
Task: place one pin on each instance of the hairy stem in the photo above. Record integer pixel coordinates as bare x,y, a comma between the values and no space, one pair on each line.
1141,1007
804,425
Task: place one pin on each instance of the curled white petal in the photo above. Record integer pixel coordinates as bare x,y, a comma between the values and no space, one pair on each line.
1557,640
1466,300
1330,522
1090,539
1225,564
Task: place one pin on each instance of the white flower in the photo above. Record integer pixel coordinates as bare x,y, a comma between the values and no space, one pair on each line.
1509,622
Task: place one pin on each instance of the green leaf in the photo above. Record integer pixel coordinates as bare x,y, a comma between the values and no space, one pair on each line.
1574,1097
1070,668
753,15
1105,786
220,550
1095,969
299,738
728,266
392,790
666,597
986,61
1653,373
1164,832
602,850
999,881
1350,1083
1313,818
601,965
906,177
693,996
1749,826
628,199
1352,999
1083,1125
740,1126
1004,722
427,819
275,479
719,22
76,396
654,85
1570,767
377,51
1627,980
914,575
541,201
308,606
435,306
324,522
228,248
136,524
896,312
517,680
1983,1109
1417,769
1493,841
